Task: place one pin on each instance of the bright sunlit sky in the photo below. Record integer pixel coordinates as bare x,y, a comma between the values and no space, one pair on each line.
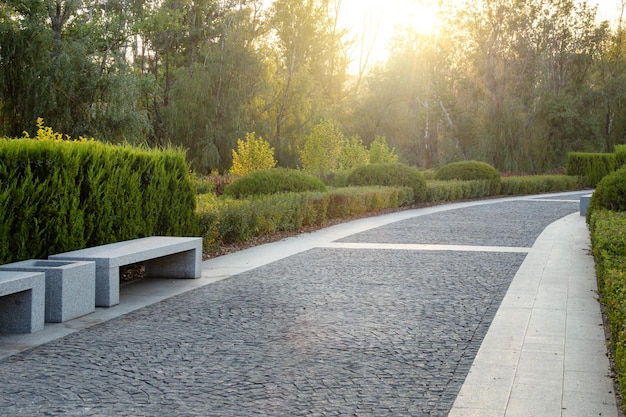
385,14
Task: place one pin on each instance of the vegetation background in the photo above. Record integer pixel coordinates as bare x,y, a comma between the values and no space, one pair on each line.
515,84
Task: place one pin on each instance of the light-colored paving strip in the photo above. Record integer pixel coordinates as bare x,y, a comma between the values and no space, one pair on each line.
545,354
421,247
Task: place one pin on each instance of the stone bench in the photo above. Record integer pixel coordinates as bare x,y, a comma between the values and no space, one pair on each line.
70,286
22,301
584,204
163,257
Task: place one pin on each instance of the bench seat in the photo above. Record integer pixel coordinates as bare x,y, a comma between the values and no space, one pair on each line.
163,257
22,301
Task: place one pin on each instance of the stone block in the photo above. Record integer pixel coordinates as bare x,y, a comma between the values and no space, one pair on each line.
584,204
22,301
70,286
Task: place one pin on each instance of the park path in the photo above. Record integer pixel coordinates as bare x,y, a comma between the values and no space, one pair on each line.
382,316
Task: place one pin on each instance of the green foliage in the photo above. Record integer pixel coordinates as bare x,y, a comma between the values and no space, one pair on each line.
322,148
380,153
536,184
454,190
253,154
225,220
620,156
471,170
608,240
390,175
610,193
60,195
353,154
590,167
272,181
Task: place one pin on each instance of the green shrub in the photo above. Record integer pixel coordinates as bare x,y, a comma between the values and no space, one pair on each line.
225,220
59,196
272,181
620,156
389,174
609,250
610,193
471,170
590,167
537,184
454,190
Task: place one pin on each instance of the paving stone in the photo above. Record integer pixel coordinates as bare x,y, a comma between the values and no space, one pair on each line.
337,332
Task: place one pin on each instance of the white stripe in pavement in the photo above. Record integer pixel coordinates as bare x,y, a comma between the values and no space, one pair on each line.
400,246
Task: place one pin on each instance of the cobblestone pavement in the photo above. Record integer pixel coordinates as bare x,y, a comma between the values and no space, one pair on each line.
327,332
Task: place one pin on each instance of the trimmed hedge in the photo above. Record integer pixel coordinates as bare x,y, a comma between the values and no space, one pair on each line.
590,167
273,181
610,193
454,190
388,174
620,156
608,242
58,196
471,170
226,220
537,184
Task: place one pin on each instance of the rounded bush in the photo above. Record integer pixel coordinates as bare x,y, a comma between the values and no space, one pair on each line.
471,170
273,181
610,193
390,174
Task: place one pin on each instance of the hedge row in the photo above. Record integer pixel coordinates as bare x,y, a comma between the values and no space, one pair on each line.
609,250
590,167
225,220
58,196
454,190
537,184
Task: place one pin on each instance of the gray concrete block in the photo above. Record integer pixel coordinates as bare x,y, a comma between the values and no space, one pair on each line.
22,301
164,256
70,286
584,204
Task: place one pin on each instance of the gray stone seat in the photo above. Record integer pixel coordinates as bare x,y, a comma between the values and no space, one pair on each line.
22,301
70,286
163,256
584,203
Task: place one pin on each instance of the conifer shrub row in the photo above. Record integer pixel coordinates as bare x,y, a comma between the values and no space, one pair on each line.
228,220
620,156
57,196
590,167
537,184
609,250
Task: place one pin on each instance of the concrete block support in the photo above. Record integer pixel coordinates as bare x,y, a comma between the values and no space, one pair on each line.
584,204
22,301
70,286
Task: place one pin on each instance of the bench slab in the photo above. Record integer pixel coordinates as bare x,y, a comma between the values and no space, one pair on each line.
22,301
70,286
163,257
584,204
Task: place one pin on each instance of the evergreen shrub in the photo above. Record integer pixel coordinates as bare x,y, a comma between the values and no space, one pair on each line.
273,181
454,190
59,196
610,193
537,184
590,167
609,250
620,156
471,170
390,174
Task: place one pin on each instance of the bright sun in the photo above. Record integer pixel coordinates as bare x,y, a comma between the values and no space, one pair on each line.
372,22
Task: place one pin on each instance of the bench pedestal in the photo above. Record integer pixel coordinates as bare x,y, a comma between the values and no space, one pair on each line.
22,301
70,286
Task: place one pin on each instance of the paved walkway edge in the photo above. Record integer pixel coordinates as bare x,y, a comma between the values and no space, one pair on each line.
545,351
